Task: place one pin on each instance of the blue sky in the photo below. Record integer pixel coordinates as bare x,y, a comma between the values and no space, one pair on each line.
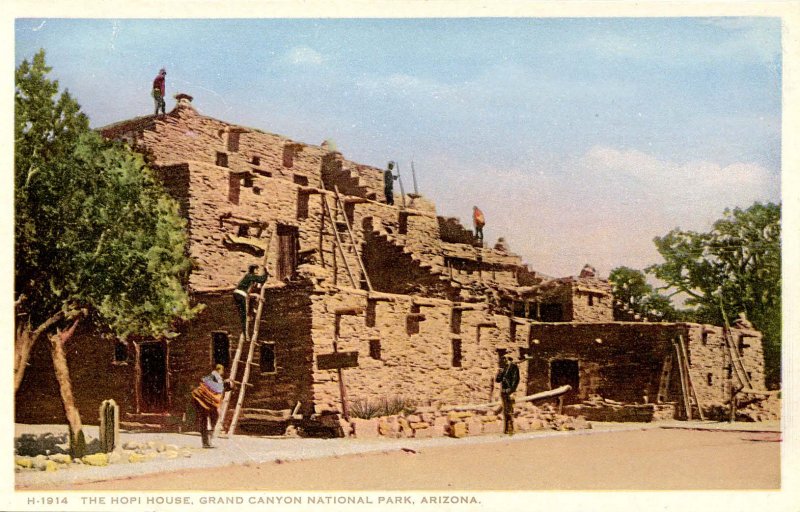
581,139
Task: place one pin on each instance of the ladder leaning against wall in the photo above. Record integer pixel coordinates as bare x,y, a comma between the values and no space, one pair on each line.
250,341
336,219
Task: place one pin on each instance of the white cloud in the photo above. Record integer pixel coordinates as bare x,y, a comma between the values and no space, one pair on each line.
602,208
304,55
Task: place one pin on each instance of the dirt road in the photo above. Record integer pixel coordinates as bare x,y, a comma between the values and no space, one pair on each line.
633,460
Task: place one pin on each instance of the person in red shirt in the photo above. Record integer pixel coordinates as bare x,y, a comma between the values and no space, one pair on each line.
479,220
159,86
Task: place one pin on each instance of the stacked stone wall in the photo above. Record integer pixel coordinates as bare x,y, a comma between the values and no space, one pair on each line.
415,361
620,361
94,374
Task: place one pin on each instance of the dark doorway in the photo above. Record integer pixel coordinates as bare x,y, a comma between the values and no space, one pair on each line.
565,371
152,376
551,313
287,251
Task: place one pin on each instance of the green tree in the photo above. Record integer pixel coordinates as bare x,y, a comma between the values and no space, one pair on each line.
734,268
98,241
633,296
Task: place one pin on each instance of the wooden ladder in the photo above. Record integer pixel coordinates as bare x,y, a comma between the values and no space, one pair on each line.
663,384
251,342
688,391
340,245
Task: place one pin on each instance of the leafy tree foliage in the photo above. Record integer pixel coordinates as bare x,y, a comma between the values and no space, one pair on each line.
97,239
635,298
734,268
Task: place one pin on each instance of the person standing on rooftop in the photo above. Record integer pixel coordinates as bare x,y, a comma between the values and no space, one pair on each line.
159,88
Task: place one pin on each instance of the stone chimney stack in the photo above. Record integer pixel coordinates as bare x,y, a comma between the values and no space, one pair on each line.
184,100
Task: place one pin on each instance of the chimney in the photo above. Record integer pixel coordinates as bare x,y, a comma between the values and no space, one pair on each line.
184,100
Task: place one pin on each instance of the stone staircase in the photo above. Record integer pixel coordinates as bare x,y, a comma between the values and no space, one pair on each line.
348,181
421,268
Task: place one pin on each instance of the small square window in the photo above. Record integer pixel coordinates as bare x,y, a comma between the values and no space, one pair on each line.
256,160
120,352
222,159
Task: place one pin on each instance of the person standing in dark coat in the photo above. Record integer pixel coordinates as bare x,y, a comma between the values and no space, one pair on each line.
242,291
388,183
508,377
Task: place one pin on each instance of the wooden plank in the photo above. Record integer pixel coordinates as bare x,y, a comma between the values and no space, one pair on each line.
337,360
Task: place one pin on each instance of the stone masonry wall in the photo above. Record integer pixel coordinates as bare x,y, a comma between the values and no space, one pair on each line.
95,377
710,358
619,361
415,359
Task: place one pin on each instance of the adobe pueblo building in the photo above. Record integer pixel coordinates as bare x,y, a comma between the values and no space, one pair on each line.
368,301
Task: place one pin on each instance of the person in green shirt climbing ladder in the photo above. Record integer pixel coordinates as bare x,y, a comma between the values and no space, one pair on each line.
243,289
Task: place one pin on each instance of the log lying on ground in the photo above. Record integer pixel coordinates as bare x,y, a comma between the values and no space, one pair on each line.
530,398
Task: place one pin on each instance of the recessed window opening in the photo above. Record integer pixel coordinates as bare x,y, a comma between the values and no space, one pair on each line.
233,142
412,320
222,159
455,321
266,360
704,338
375,349
220,348
512,331
120,351
300,180
590,299
243,230
710,379
288,155
456,347
233,188
256,160
247,181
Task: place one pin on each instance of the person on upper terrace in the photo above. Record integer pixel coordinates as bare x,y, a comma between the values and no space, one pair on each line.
588,271
242,291
159,89
479,221
388,183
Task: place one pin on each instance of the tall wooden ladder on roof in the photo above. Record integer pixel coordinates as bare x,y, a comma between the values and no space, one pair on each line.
244,340
337,219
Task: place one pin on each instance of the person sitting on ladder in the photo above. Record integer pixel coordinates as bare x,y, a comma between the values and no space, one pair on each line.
243,289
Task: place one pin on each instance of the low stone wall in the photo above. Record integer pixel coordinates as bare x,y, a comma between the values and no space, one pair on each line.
640,413
426,422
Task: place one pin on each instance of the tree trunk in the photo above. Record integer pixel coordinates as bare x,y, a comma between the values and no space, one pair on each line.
24,340
77,442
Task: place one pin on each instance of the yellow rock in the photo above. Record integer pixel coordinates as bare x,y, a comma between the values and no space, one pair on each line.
420,425
458,429
50,466
61,458
24,462
96,459
136,457
454,416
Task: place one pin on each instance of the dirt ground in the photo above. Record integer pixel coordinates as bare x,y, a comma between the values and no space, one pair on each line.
658,459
